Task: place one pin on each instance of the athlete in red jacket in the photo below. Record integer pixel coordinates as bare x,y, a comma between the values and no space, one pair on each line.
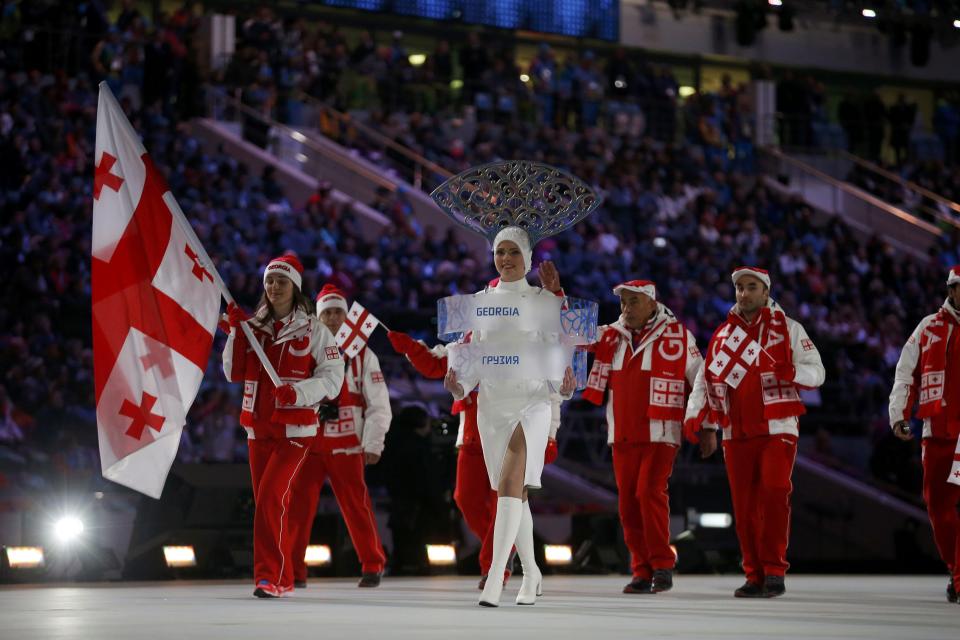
930,365
281,422
757,361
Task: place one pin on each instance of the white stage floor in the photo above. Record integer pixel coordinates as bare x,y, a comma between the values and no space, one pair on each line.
583,607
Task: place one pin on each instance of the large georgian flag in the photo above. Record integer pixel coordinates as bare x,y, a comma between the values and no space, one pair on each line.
155,309
356,329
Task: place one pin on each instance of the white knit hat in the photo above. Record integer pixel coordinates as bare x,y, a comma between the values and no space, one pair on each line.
646,287
519,237
760,274
288,266
331,297
954,276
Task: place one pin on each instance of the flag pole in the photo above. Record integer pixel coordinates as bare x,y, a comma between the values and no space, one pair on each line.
205,262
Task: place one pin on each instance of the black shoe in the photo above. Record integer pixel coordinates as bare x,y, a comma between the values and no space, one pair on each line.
299,584
483,582
951,592
370,580
773,586
662,580
638,586
749,590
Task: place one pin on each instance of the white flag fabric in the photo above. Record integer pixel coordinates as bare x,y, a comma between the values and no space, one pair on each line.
155,309
357,327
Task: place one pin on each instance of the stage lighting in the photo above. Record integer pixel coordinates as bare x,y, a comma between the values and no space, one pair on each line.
179,557
301,157
299,137
775,3
524,77
558,554
441,554
869,13
715,520
417,59
956,24
68,529
317,555
24,557
686,91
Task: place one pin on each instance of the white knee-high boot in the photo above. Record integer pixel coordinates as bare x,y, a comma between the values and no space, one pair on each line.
509,514
532,578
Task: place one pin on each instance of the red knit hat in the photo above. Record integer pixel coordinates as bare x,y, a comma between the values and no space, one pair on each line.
954,276
760,274
646,287
287,265
331,297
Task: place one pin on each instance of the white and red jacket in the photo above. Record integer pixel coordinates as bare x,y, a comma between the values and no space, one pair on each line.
746,402
364,405
908,380
635,387
304,354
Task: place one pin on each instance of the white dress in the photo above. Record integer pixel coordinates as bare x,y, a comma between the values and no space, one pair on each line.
502,404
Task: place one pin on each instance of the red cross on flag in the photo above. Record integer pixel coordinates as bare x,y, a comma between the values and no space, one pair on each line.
738,352
955,469
356,329
155,309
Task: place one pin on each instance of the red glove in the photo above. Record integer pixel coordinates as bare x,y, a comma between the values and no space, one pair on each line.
691,429
236,314
785,371
551,452
402,343
285,394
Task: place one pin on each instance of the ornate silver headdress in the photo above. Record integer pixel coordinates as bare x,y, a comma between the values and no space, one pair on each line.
540,199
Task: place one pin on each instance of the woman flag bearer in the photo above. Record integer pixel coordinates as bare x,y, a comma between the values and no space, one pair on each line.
281,422
354,427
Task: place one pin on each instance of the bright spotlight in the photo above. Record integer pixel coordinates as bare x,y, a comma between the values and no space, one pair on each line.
441,554
24,557
68,528
524,77
869,13
776,3
417,59
178,557
715,520
558,553
956,24
317,555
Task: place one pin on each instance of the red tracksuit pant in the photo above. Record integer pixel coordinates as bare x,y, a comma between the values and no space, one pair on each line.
942,500
642,471
476,501
345,471
759,470
274,467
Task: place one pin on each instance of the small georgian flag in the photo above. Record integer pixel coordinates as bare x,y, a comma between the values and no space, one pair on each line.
356,329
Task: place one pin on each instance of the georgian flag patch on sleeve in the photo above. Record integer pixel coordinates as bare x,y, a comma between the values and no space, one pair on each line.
333,353
377,376
807,344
